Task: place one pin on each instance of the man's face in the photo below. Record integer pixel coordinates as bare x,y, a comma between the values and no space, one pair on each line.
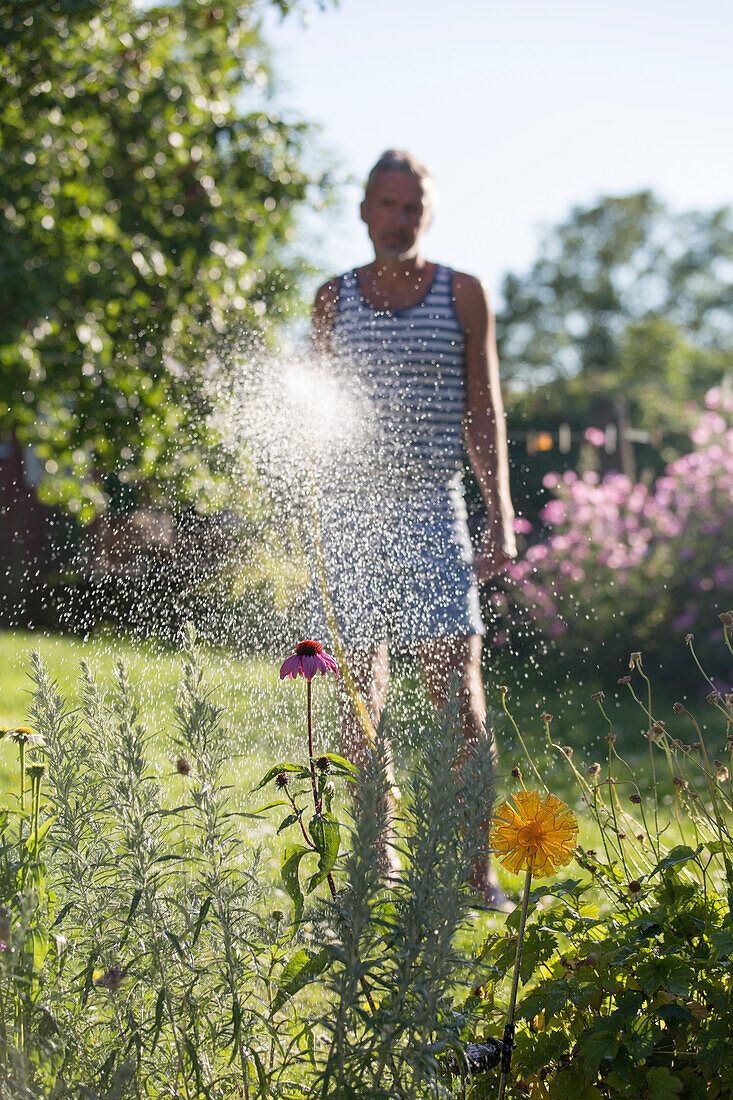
397,211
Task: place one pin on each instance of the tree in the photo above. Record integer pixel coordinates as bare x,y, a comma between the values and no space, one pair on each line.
625,298
148,200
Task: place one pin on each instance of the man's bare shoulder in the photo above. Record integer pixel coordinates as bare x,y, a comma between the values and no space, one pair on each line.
327,294
471,300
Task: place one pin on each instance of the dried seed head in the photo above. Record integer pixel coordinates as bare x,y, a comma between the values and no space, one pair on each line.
516,773
689,638
545,717
726,618
568,751
678,708
503,689
624,680
635,659
323,764
713,697
680,782
182,766
593,770
281,780
635,798
656,733
634,887
597,696
721,772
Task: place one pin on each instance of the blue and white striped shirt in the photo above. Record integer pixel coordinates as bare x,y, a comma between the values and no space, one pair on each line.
408,365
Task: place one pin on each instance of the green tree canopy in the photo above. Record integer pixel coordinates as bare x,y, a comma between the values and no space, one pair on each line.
625,298
148,198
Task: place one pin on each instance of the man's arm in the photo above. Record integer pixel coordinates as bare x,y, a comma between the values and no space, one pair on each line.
323,317
484,424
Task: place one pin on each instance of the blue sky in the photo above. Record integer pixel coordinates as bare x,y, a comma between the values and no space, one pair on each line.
521,110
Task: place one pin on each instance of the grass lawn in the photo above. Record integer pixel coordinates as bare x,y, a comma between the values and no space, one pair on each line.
264,716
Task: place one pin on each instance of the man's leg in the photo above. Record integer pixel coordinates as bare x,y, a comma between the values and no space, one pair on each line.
370,671
440,658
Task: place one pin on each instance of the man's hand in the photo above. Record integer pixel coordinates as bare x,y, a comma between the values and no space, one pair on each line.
491,557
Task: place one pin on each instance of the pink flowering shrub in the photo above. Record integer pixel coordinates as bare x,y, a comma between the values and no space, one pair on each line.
623,566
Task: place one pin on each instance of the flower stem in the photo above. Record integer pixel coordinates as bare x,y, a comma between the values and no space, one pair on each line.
21,747
309,689
509,1027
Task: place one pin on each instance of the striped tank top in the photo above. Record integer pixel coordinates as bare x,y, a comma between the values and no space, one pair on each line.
408,369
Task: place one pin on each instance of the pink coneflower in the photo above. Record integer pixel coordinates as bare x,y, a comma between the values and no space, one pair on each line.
309,658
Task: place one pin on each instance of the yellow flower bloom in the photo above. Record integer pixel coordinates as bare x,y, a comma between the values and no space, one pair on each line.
534,836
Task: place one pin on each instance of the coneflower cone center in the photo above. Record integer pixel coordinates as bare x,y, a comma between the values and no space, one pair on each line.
308,649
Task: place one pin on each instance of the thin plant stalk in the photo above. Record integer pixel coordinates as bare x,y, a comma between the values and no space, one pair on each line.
509,1027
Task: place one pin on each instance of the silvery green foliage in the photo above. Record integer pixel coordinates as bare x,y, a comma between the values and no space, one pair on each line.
148,961
163,982
392,1016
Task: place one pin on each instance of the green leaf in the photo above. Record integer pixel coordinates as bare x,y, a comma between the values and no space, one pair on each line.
206,903
342,766
262,1078
294,768
287,822
661,1084
681,854
325,833
539,946
289,869
134,904
158,1021
596,1046
269,806
300,969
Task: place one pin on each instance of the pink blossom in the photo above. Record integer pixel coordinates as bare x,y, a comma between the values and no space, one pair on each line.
595,436
309,659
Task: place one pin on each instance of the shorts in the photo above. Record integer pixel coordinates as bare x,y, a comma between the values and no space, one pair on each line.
400,572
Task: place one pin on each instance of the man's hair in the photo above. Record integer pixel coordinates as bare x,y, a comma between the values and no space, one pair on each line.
399,160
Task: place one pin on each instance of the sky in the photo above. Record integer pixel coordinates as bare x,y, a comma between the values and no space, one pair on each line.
521,110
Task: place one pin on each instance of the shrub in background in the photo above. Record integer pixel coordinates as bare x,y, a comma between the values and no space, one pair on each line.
622,565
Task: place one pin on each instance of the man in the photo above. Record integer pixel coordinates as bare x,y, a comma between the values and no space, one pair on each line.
417,340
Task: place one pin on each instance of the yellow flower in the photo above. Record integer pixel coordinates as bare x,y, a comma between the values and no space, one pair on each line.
534,836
